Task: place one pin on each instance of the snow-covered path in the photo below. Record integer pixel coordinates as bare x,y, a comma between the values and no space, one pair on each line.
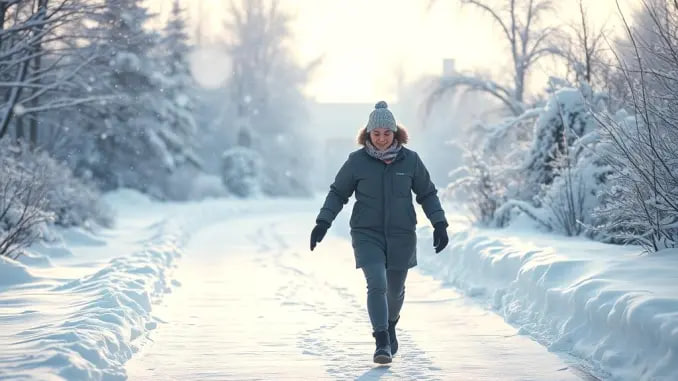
256,304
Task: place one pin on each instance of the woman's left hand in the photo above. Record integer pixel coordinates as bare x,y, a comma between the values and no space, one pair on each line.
318,233
440,238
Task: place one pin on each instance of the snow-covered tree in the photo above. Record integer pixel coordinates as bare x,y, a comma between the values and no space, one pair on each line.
582,45
505,139
266,94
137,136
127,148
525,34
178,86
38,64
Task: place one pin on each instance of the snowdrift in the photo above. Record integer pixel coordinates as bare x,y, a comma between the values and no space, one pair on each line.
13,273
611,306
85,328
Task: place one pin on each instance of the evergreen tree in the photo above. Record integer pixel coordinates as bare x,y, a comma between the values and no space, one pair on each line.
137,137
178,87
266,93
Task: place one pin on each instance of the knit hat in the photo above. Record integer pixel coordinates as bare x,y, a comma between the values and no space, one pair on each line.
381,117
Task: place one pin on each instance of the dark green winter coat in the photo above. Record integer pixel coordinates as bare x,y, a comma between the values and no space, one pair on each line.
383,219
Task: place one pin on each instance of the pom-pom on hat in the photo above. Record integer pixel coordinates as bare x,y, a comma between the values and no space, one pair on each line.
381,117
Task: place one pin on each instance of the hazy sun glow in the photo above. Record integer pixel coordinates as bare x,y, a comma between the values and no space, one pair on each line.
369,46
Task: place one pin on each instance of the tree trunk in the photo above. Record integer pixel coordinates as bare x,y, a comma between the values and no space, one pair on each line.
14,95
19,128
33,134
3,15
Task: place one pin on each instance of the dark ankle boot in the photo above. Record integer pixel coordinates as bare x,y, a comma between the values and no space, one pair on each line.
383,353
392,335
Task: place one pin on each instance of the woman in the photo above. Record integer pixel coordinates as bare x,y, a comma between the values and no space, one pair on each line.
383,175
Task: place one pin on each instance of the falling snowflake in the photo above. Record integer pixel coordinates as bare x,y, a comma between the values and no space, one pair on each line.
19,109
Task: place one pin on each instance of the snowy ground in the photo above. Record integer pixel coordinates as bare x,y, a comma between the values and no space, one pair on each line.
255,303
228,290
74,307
611,306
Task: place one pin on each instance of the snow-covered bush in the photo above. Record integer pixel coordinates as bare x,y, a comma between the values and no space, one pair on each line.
481,190
580,179
642,202
563,175
23,204
241,171
73,201
564,119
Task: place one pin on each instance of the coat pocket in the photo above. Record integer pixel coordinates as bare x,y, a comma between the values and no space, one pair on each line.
402,184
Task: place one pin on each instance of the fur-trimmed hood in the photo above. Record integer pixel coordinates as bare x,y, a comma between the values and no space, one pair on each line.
401,135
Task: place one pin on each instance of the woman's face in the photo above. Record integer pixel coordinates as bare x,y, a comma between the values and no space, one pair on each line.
381,138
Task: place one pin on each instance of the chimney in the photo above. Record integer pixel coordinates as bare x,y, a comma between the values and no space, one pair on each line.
448,67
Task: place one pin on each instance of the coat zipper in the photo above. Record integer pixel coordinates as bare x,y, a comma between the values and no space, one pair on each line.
386,210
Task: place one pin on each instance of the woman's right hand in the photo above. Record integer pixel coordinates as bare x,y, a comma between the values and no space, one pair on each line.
318,233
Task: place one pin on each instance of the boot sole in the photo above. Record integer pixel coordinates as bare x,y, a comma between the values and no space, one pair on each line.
382,359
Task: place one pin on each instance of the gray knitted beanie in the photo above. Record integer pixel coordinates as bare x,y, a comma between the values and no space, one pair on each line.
381,117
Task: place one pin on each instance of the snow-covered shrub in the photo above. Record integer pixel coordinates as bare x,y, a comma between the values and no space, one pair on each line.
563,173
241,171
642,202
73,201
580,179
482,190
565,118
564,199
23,204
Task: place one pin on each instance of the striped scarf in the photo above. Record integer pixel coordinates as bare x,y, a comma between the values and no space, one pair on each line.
386,155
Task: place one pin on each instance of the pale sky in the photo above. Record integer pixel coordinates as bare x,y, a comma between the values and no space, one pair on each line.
366,43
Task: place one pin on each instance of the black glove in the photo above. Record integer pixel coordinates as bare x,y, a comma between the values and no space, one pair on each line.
440,239
318,233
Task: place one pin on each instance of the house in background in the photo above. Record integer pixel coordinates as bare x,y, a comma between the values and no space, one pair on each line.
335,127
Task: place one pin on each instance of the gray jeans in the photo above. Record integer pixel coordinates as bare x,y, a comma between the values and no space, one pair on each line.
385,294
